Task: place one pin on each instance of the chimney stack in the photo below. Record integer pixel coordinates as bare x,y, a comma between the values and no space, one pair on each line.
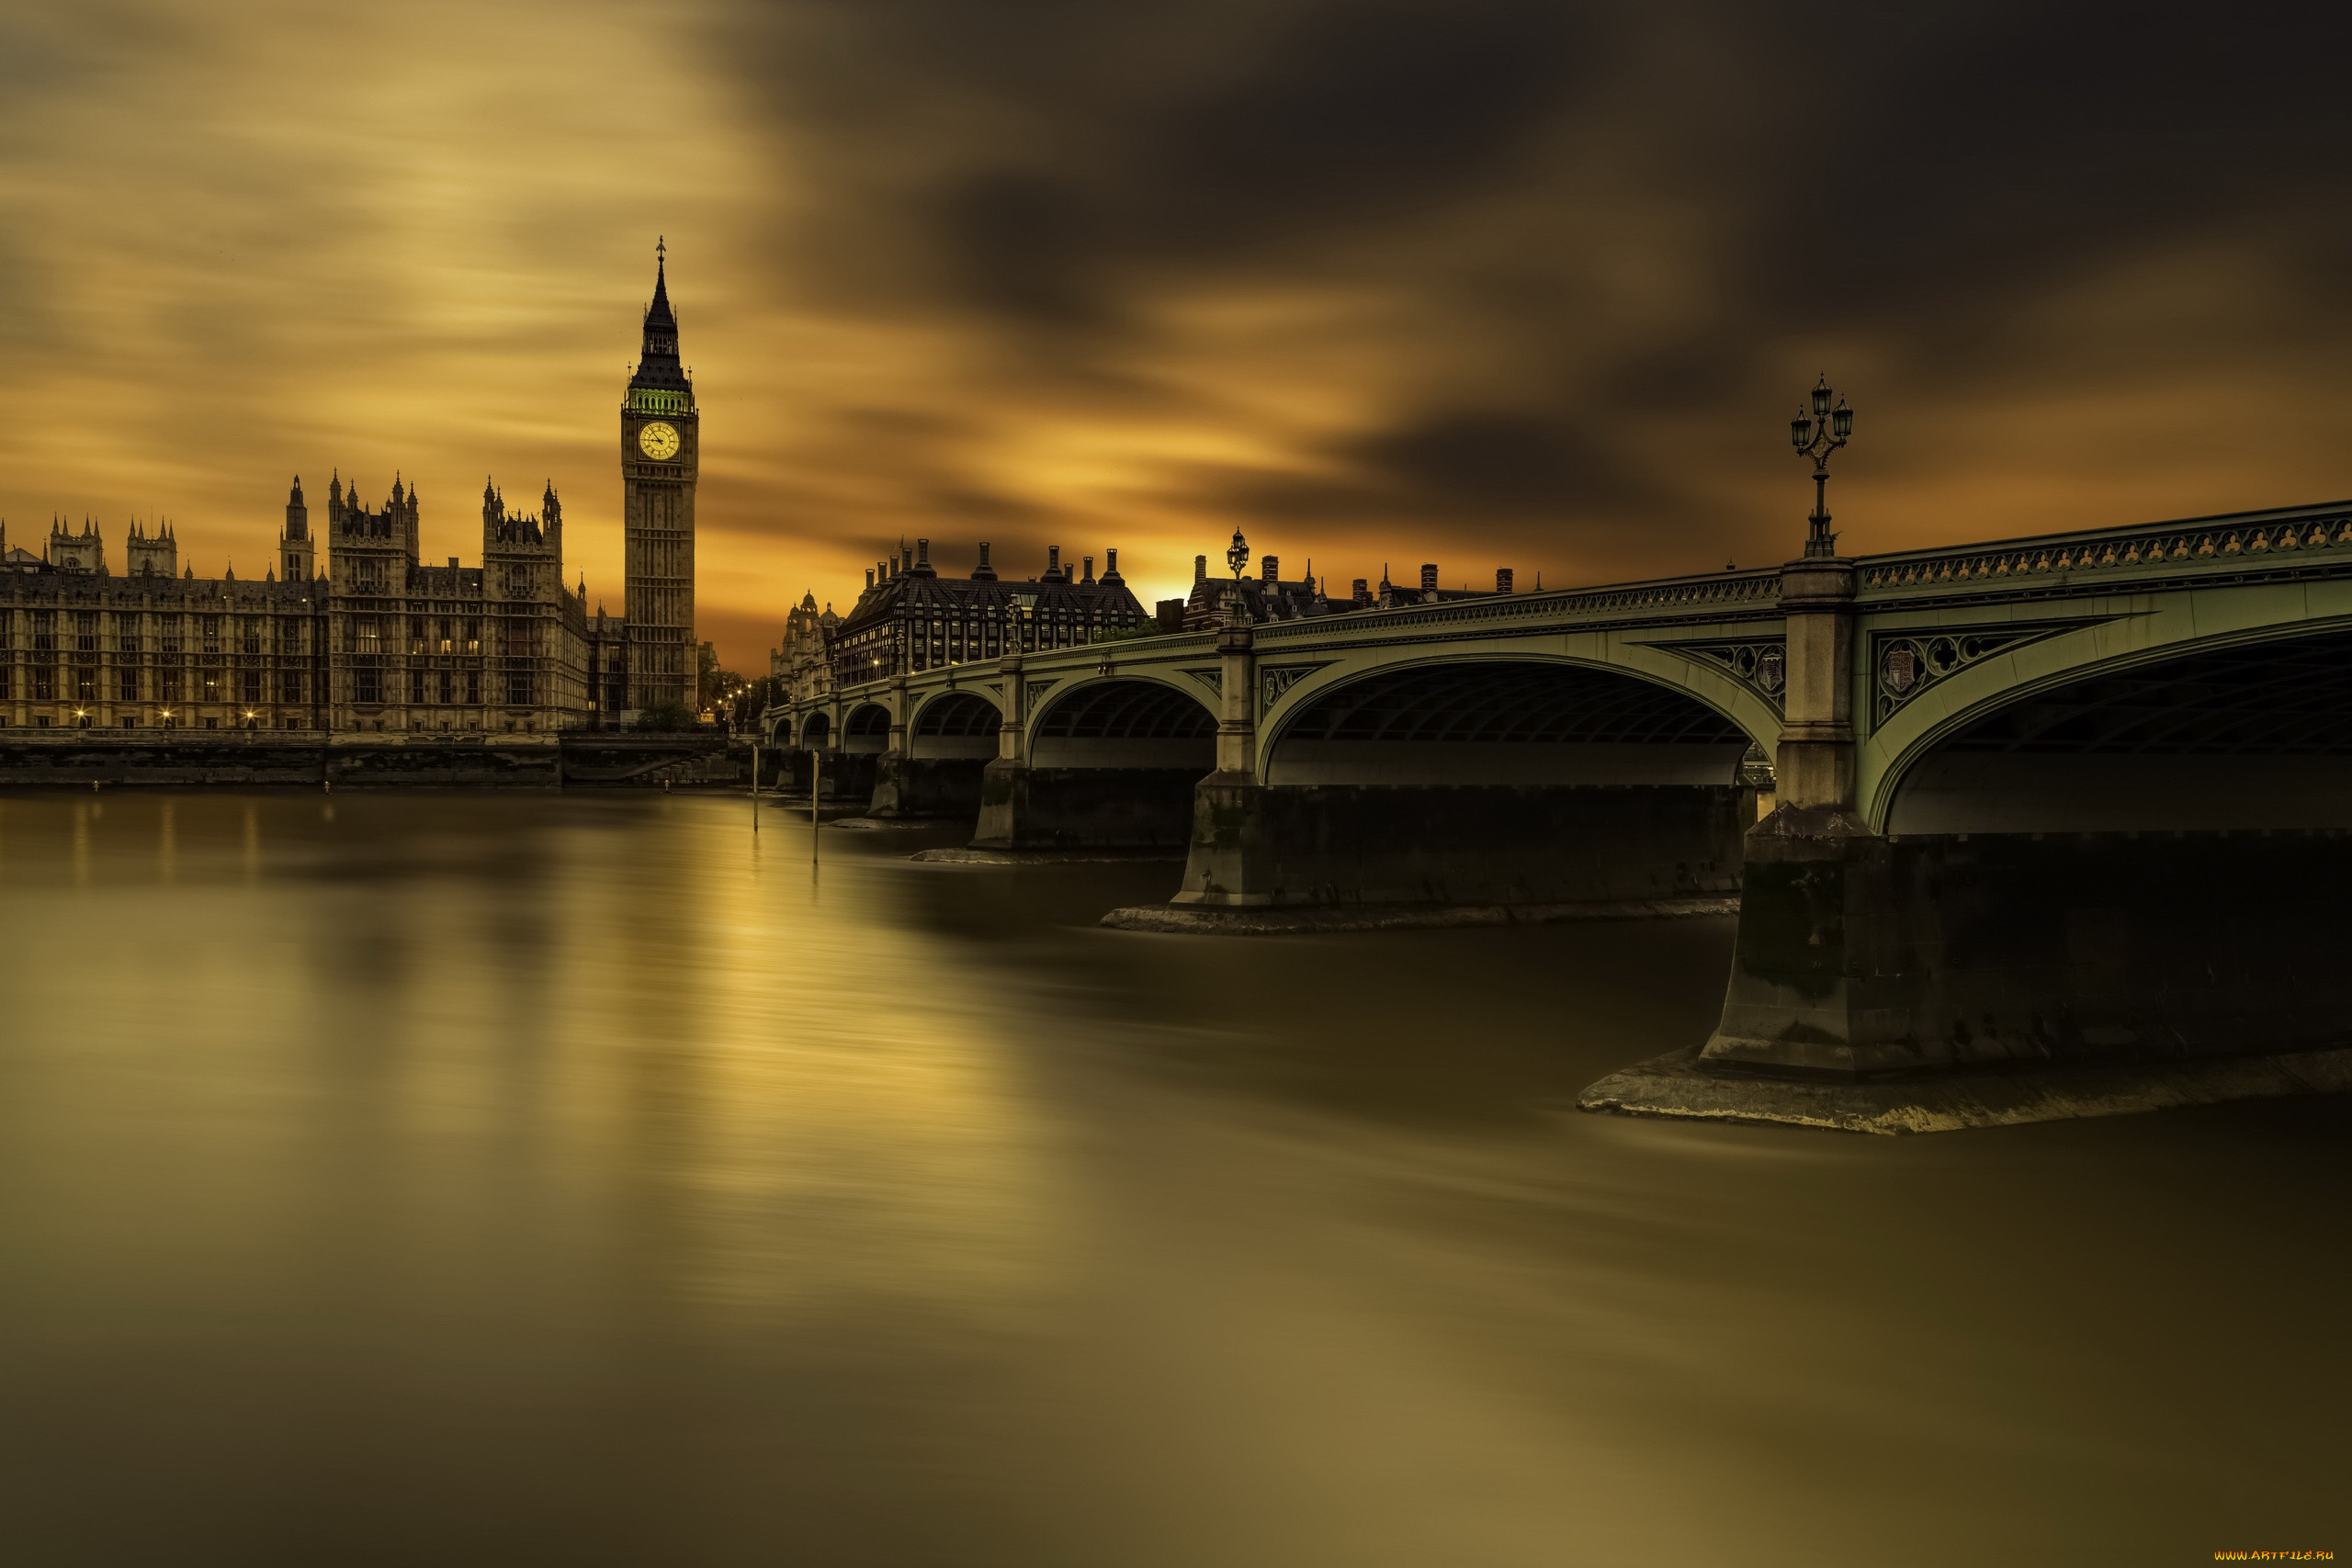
1428,577
1111,565
1363,591
1271,569
984,572
1503,579
1200,568
869,580
1090,570
1053,564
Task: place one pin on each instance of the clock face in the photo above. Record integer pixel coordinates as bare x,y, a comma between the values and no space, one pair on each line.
657,441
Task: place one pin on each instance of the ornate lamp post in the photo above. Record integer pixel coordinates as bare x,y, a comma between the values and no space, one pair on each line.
1237,556
1816,434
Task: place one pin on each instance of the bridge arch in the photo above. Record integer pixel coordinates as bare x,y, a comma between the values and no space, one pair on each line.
817,730
868,729
955,724
1503,719
1110,761
1124,722
2250,729
1499,776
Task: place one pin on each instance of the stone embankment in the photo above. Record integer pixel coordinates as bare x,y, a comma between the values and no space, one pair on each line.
243,759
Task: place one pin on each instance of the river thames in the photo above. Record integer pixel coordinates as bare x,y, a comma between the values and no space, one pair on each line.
576,1178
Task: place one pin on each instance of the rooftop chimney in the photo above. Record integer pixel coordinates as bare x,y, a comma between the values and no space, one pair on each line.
1110,568
869,580
1090,570
1363,591
984,572
1503,579
1271,567
922,558
1200,568
1053,564
1428,577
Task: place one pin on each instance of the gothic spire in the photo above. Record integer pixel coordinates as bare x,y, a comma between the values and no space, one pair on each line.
656,363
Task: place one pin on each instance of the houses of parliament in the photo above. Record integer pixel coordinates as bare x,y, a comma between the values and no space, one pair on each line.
352,632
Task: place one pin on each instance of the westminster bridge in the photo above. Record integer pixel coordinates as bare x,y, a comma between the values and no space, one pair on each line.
2068,801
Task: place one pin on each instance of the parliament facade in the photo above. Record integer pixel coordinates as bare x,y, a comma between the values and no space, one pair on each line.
368,638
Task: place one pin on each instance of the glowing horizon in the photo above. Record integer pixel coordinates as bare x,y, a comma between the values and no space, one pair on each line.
1489,284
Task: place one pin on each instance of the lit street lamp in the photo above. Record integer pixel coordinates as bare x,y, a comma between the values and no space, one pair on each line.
1815,435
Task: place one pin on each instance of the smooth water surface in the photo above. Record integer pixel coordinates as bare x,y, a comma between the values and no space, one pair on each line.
462,1179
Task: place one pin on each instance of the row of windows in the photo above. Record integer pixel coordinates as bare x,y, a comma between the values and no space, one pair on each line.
369,684
92,660
167,721
44,684
172,631
877,653
515,637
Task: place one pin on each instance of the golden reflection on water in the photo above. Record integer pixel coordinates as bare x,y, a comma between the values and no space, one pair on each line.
577,1179
829,1115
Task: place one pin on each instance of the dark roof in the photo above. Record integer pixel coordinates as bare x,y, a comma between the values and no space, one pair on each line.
656,363
922,589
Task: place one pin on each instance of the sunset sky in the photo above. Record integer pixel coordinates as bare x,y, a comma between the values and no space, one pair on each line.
1482,282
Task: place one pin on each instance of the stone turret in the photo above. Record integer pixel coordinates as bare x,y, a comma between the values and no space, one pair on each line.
151,555
69,552
521,575
296,553
369,552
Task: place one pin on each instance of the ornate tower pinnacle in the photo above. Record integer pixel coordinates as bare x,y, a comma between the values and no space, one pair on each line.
295,551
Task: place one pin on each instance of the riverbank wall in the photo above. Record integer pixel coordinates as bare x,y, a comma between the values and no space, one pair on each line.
244,759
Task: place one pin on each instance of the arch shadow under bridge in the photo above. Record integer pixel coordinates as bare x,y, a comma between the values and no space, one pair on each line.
1478,781
1108,762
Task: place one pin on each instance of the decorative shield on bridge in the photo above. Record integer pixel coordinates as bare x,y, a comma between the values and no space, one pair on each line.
1899,671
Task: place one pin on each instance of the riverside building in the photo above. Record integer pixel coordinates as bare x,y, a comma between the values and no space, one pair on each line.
911,619
349,631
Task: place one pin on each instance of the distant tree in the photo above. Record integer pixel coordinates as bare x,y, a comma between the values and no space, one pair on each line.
714,684
666,717
758,697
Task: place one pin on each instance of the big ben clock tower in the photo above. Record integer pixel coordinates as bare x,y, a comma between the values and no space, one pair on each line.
660,453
